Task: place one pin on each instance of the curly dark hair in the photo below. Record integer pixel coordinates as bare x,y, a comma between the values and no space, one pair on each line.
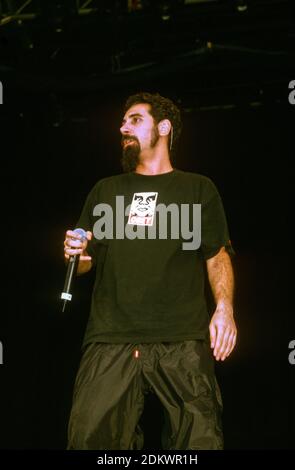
161,108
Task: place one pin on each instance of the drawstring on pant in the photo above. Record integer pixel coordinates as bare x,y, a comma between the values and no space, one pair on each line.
136,353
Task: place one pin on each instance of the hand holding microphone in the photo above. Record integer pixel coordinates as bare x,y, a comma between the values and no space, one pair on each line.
75,245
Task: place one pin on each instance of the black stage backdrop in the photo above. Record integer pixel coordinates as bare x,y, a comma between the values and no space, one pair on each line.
58,137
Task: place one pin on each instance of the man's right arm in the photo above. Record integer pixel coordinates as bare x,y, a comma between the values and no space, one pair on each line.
74,245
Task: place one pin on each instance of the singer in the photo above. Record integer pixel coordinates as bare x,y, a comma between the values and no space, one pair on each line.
149,329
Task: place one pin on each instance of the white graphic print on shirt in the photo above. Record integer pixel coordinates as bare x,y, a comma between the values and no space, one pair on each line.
143,208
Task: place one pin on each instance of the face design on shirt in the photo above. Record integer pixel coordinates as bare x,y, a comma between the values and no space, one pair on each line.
139,134
144,204
143,208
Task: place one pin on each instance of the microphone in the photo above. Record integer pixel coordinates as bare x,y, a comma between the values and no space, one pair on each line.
66,295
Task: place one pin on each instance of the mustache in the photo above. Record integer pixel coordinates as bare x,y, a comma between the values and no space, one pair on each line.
128,137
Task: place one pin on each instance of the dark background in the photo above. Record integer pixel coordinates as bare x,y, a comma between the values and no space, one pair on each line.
66,74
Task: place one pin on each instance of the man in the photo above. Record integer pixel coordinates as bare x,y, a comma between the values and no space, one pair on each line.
149,328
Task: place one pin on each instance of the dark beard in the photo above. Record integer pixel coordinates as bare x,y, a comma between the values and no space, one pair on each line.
130,158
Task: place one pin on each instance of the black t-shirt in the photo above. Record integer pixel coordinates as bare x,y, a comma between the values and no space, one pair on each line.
150,267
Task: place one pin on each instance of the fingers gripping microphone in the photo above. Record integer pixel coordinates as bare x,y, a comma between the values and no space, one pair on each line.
66,295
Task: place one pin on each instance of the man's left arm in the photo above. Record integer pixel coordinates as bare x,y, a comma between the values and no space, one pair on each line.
223,331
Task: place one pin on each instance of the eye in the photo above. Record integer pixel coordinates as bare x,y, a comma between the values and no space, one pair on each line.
135,120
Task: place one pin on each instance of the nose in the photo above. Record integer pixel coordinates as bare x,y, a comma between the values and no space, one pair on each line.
125,129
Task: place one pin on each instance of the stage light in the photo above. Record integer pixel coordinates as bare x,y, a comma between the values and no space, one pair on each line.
241,6
135,5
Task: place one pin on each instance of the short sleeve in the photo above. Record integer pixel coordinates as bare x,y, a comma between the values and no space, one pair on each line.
214,228
86,222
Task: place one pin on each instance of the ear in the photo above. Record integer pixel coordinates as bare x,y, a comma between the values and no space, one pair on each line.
164,127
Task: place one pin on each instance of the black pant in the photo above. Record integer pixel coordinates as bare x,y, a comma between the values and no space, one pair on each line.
109,396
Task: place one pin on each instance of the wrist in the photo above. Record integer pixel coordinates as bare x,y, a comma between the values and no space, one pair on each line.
226,306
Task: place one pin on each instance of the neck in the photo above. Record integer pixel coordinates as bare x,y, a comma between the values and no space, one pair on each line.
154,164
